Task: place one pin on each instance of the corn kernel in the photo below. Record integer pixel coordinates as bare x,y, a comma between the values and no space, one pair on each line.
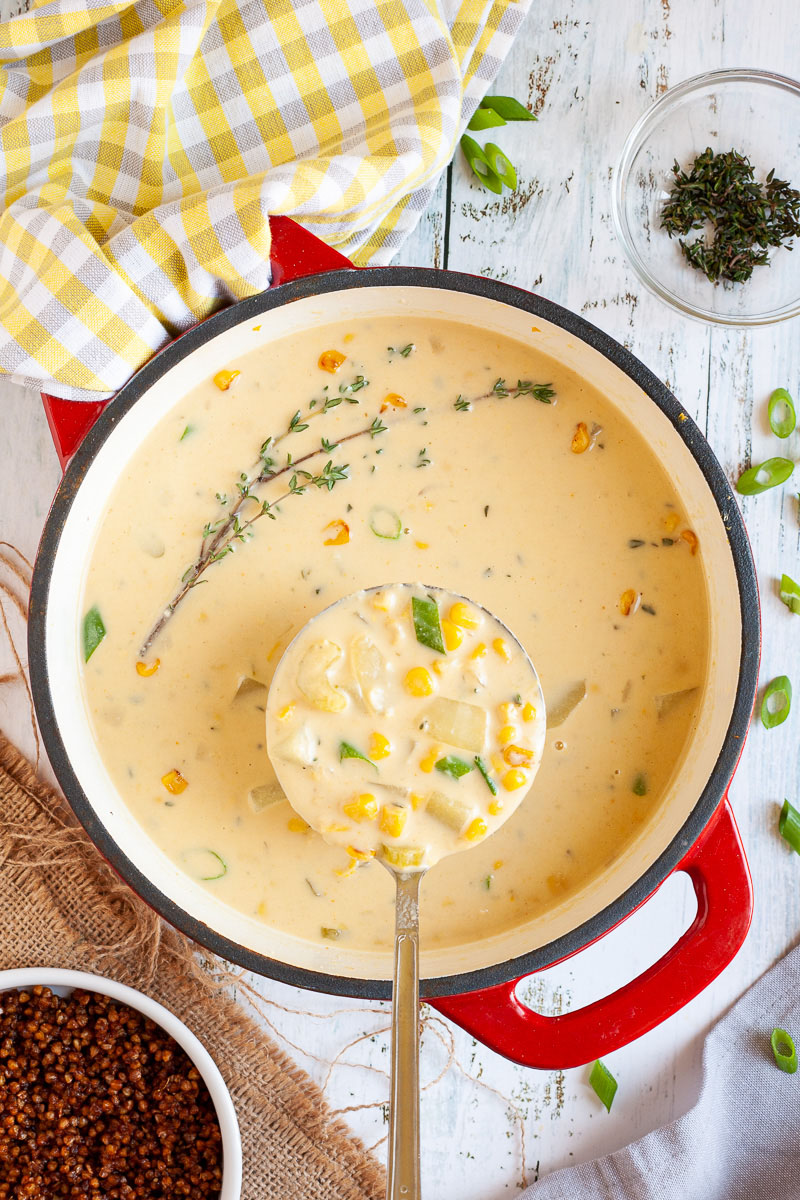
507,711
529,713
334,828
348,337
580,439
343,872
148,669
439,666
380,746
417,801
429,761
498,865
174,782
286,711
422,545
629,601
498,762
479,650
475,830
671,522
393,401
514,779
453,636
692,540
506,734
360,855
330,360
461,614
418,682
518,756
379,602
261,911
363,808
500,646
495,807
340,533
393,820
224,379
297,825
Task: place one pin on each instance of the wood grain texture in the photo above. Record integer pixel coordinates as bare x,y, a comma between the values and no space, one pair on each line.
589,71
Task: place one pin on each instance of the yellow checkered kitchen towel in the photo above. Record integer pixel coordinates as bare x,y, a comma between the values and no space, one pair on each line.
145,144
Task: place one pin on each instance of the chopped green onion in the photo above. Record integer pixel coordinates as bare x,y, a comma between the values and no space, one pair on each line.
487,883
508,108
480,165
766,475
485,118
93,632
777,702
452,766
348,751
501,165
782,417
205,864
484,770
189,429
604,1083
790,593
789,825
639,786
784,1051
330,933
426,623
385,523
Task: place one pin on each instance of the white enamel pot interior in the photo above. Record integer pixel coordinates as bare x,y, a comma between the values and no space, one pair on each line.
700,778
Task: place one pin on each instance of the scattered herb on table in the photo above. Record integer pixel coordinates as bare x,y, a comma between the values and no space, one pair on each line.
747,217
603,1083
766,475
789,825
776,702
784,1051
494,169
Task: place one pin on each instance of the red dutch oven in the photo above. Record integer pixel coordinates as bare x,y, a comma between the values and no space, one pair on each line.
694,830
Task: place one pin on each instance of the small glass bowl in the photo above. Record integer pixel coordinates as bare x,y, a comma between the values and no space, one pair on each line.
757,114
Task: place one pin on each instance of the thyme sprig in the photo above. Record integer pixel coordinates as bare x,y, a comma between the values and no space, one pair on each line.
219,537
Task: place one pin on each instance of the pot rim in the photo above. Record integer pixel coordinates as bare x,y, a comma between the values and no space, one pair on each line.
443,280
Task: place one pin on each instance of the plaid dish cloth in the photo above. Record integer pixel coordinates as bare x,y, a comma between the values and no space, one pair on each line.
143,146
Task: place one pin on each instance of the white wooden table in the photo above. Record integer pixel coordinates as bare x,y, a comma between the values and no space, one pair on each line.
589,70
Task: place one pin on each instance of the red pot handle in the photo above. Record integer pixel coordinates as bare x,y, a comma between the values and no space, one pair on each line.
718,869
294,253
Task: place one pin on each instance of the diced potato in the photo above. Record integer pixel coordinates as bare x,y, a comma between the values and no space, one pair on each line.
403,856
300,747
369,669
565,704
457,723
393,819
312,677
669,701
249,689
265,794
448,811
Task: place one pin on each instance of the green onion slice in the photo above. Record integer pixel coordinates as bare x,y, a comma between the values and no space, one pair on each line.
485,118
205,864
348,751
501,165
639,785
777,702
604,1083
385,523
480,165
790,593
330,932
789,825
508,108
484,770
784,1051
452,766
426,623
782,417
766,475
93,632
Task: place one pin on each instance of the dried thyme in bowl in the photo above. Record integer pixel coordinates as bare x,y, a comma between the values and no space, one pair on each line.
745,217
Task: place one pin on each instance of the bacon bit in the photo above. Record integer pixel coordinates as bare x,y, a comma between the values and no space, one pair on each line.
331,360
174,782
629,601
340,535
517,756
580,439
672,522
148,669
224,379
393,401
691,539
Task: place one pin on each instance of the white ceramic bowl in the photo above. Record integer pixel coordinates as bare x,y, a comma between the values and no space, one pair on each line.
63,982
754,112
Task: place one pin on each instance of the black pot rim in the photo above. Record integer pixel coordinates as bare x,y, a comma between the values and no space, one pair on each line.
684,427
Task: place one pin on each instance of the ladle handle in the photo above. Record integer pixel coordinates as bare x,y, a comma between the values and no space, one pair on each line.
403,1161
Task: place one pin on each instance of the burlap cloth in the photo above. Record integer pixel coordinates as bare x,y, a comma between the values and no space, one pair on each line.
62,906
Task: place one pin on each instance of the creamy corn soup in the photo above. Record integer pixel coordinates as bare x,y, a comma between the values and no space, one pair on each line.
405,723
373,452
